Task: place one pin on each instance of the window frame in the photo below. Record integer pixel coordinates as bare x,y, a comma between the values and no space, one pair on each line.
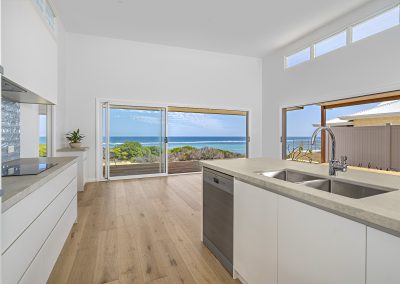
349,101
48,111
43,11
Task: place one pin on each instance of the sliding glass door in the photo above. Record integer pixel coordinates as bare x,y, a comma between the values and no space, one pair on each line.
133,140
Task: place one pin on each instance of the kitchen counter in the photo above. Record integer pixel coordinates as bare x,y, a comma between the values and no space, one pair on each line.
380,211
16,188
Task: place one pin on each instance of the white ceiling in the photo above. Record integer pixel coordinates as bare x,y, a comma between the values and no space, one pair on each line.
245,27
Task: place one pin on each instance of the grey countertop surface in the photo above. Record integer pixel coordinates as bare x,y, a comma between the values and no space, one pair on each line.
380,211
16,188
69,149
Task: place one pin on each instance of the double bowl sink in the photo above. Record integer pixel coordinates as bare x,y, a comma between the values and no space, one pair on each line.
352,190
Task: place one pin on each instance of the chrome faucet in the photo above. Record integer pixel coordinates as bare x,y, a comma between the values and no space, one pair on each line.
334,165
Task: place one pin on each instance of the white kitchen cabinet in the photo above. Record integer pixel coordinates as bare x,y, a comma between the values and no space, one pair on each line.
315,246
43,263
25,248
37,47
20,216
35,229
255,234
383,258
82,154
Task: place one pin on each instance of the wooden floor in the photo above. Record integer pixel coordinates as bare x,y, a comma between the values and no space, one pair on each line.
139,231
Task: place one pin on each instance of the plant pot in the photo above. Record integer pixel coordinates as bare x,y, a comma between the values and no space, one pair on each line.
75,145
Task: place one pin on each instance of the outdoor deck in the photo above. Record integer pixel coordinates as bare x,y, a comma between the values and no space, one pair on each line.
153,168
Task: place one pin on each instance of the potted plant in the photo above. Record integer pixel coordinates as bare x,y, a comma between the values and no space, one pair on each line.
74,138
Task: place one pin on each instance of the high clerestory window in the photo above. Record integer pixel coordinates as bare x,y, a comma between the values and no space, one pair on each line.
383,21
330,44
47,13
377,24
298,57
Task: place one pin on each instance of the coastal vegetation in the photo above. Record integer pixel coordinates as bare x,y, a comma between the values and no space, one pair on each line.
189,153
300,153
42,150
135,152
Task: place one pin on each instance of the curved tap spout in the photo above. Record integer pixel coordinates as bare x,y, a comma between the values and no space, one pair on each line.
331,134
333,164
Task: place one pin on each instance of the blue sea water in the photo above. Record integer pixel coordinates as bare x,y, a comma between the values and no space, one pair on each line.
294,142
233,144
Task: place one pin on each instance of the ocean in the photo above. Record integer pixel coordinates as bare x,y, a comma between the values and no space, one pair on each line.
294,142
232,143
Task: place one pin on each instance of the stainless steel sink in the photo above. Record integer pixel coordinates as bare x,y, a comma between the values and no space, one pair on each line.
289,175
347,189
355,191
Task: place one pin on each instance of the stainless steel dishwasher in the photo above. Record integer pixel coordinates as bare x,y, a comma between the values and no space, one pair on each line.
218,216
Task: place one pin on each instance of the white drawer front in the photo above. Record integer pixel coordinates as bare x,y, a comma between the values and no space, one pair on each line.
22,252
40,269
34,274
21,215
55,242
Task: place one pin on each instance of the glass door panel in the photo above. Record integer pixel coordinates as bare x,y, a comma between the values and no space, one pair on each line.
204,134
135,141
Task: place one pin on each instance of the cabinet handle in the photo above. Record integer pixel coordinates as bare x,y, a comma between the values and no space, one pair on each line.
216,180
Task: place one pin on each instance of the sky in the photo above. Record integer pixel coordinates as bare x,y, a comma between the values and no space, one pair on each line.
300,122
147,123
42,125
124,122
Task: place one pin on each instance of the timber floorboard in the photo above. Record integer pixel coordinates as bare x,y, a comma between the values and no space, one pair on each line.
139,231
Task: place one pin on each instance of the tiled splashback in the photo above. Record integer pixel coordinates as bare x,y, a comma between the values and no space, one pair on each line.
10,128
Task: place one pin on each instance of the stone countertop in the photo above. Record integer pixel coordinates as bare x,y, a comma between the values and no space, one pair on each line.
69,149
16,188
380,211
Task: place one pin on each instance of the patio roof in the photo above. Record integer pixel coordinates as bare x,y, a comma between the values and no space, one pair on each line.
335,122
384,109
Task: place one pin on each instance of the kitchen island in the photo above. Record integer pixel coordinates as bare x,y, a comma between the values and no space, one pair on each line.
287,232
38,214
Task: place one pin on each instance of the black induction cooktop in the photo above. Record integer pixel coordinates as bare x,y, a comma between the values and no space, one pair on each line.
25,169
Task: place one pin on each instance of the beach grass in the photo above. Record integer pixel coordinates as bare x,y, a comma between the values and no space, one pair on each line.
135,152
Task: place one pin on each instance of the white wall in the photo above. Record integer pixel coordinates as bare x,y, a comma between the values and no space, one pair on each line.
29,50
59,109
155,74
369,66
